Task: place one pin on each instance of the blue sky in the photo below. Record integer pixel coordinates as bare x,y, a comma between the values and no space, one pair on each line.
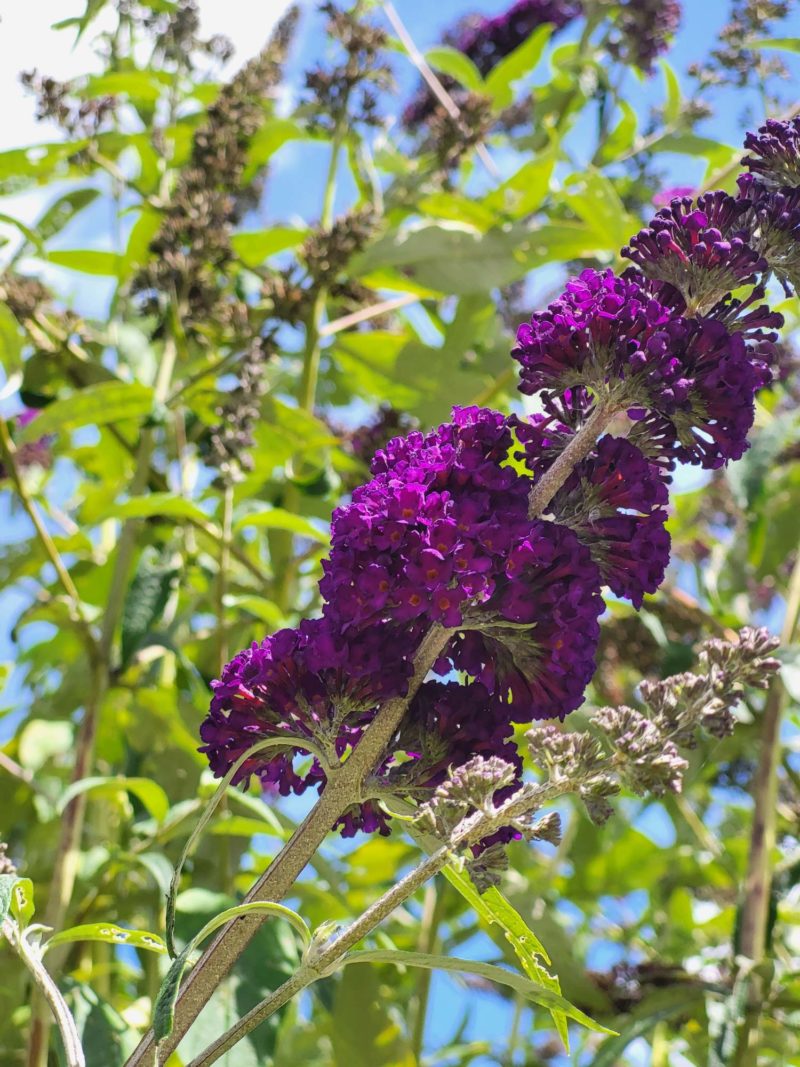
295,188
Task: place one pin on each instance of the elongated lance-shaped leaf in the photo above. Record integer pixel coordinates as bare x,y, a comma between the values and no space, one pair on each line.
109,933
527,988
493,908
164,1008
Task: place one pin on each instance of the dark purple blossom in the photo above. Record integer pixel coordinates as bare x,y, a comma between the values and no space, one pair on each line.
704,414
615,501
304,684
758,326
601,332
488,40
532,646
775,153
690,380
701,248
646,27
448,724
775,221
442,534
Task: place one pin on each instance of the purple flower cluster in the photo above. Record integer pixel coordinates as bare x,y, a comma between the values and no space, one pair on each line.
445,533
646,28
775,153
771,193
306,684
488,40
691,379
700,249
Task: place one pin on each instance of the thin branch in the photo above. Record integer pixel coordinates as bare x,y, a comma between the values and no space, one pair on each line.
8,452
322,962
385,306
343,789
51,993
433,83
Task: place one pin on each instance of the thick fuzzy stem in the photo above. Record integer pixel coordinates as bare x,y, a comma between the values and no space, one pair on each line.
342,790
579,447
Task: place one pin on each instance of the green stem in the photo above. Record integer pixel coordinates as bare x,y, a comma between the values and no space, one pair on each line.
432,913
344,788
546,486
513,1037
51,994
222,574
126,548
281,543
322,962
754,911
67,851
8,452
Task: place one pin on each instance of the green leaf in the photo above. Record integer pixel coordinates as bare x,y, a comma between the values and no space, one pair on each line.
673,104
450,61
106,1039
622,137
255,246
31,237
22,904
150,793
42,739
364,1032
109,933
141,85
62,211
164,1007
10,341
524,192
458,208
157,504
523,60
278,519
270,137
146,599
7,882
451,257
96,405
87,261
782,44
546,998
264,609
142,233
493,908
594,199
717,154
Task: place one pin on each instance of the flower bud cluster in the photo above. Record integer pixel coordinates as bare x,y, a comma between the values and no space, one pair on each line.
626,749
348,89
192,246
645,28
446,538
230,440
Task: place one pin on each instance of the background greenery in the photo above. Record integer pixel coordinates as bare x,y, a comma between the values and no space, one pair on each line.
180,553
